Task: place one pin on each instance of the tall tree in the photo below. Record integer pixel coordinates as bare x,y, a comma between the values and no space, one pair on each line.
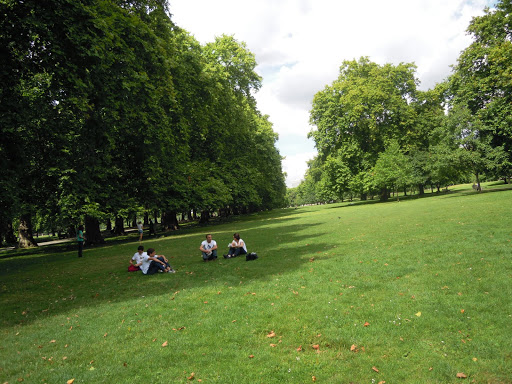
482,79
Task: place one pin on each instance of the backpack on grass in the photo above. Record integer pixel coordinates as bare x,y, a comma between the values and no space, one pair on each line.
251,256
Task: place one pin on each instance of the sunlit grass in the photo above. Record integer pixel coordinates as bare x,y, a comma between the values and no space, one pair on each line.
418,290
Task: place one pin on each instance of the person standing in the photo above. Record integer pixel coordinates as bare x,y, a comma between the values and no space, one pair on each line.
80,239
141,230
208,248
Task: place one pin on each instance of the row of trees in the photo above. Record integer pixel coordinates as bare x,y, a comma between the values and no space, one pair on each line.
376,132
109,110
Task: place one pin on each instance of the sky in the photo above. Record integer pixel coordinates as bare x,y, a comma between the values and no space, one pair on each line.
300,45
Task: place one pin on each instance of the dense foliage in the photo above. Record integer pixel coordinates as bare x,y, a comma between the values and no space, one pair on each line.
376,133
110,111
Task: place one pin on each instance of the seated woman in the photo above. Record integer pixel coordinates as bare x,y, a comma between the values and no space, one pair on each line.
236,247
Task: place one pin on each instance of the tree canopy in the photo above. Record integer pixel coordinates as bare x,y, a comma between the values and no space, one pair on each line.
110,110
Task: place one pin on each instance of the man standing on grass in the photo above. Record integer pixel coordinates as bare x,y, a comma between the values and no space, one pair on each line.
152,263
80,239
209,248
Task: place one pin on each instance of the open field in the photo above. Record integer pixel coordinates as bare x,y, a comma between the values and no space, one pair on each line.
416,291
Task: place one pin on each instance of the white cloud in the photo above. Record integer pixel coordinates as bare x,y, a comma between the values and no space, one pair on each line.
300,45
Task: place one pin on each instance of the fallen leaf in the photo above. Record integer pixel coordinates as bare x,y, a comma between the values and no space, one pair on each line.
418,314
312,259
375,369
165,344
299,349
70,381
251,356
271,334
366,324
353,348
462,311
191,377
313,378
475,359
316,346
53,341
461,375
273,345
382,382
105,335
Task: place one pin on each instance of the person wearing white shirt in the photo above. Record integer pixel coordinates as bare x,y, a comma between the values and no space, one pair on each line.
237,247
136,260
208,248
152,263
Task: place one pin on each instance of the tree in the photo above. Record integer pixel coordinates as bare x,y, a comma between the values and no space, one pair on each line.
392,169
365,107
482,80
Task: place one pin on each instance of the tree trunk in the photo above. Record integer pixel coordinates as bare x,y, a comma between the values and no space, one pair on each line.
146,218
364,196
205,216
478,186
119,226
71,231
384,194
169,220
134,222
421,189
25,232
109,225
92,231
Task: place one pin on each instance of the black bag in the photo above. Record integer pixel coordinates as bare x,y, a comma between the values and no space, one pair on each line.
251,256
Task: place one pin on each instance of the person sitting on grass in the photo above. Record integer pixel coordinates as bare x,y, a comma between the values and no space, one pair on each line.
152,263
136,260
209,248
237,247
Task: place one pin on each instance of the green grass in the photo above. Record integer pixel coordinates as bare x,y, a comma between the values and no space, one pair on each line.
430,277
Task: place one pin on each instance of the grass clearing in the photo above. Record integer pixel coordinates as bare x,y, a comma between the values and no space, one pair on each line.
410,292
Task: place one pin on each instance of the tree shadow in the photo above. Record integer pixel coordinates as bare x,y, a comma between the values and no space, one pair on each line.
45,283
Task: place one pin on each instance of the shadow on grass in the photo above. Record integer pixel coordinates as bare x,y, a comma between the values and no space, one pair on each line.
492,187
51,281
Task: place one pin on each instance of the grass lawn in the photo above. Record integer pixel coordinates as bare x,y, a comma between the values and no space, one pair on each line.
416,291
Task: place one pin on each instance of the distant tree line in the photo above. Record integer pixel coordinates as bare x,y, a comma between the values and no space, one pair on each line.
110,111
377,134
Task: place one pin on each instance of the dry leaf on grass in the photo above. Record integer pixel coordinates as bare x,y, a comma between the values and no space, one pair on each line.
353,348
366,324
299,349
165,344
271,334
461,375
375,369
70,381
191,377
251,356
313,378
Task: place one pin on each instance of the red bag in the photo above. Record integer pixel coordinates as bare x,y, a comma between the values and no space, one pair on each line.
133,268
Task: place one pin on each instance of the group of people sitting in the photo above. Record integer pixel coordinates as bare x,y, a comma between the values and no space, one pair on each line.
208,248
150,263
